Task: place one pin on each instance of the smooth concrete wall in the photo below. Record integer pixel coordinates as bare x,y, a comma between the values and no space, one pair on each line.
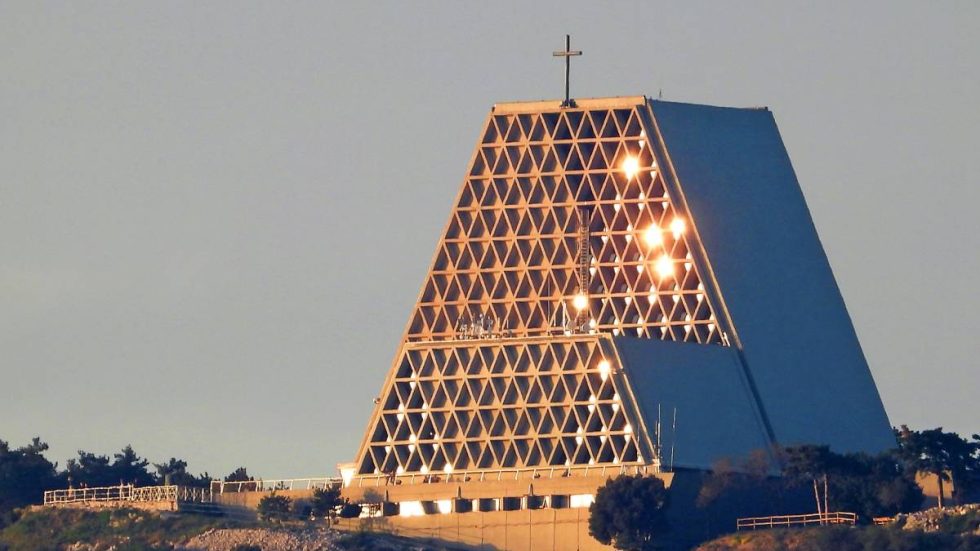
526,530
250,500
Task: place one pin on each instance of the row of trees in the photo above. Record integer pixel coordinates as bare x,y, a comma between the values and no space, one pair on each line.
877,485
325,503
25,473
629,512
884,485
871,486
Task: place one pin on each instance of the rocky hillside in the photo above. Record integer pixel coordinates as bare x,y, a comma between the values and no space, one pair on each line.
135,530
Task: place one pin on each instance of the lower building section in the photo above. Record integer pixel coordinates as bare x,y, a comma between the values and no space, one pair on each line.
522,514
521,530
548,509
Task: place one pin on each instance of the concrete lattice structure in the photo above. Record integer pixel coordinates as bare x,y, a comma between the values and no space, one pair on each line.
606,262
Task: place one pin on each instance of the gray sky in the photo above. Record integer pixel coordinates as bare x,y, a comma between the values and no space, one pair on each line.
214,220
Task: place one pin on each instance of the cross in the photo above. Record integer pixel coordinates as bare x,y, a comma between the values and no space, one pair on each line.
567,54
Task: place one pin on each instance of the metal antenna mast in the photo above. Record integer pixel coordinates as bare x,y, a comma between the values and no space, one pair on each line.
567,54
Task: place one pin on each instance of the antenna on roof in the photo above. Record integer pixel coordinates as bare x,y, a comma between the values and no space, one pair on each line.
567,54
673,439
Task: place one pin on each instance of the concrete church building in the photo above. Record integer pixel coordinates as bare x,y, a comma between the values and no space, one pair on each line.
624,285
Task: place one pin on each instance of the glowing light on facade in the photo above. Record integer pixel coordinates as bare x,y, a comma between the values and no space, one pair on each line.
604,369
631,165
664,267
580,302
677,227
653,236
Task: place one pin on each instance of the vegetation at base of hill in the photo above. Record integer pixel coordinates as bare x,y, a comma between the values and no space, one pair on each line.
629,512
25,474
137,530
967,523
127,529
841,538
871,486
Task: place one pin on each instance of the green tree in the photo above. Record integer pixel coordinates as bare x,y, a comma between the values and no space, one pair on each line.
325,501
25,474
90,470
275,507
946,455
176,470
239,475
131,468
629,512
871,486
867,485
94,470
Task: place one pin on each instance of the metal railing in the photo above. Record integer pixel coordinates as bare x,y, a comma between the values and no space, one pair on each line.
187,494
793,521
498,475
286,484
128,493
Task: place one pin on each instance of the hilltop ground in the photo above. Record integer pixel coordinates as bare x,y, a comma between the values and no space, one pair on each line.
953,529
136,530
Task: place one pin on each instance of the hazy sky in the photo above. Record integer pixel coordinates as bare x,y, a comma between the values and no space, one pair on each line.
215,219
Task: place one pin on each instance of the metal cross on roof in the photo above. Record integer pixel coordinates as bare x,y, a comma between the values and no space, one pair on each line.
567,54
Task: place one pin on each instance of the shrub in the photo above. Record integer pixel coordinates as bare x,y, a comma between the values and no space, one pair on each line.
350,510
275,507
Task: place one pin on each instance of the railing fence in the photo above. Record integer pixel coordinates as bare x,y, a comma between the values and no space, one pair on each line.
789,521
286,484
128,493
